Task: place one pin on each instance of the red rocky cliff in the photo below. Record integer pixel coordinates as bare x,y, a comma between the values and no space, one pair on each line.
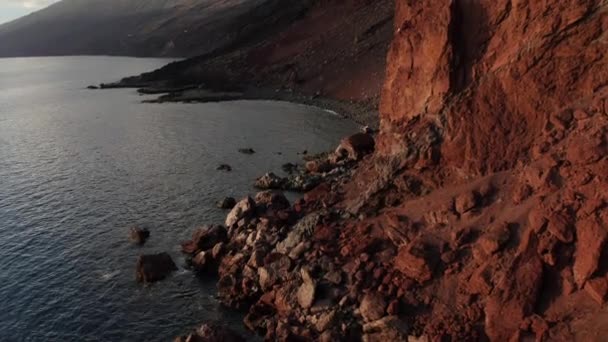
493,74
492,161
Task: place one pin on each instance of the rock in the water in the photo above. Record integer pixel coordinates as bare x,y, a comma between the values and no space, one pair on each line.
356,146
289,167
139,235
372,306
226,203
92,87
246,150
224,167
154,267
202,261
367,130
243,209
270,181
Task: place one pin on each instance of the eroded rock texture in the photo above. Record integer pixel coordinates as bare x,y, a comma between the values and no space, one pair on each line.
492,152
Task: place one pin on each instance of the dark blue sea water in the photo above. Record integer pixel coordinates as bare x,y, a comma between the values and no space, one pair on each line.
79,167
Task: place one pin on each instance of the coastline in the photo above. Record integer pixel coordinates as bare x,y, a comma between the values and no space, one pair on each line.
280,263
362,113
262,247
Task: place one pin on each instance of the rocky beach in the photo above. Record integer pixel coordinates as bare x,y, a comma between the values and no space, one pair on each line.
478,211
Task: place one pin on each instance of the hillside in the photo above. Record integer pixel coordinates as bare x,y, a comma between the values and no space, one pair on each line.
139,27
334,50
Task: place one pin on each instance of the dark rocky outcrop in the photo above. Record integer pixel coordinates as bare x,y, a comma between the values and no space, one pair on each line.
246,150
224,167
154,267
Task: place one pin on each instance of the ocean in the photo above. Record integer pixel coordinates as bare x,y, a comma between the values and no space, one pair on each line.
79,167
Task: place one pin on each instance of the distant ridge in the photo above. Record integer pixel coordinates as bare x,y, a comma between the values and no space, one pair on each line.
177,28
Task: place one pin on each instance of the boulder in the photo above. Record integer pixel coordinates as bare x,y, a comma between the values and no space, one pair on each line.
389,328
415,262
591,239
356,146
266,278
325,321
203,261
303,228
465,202
273,200
597,288
243,209
226,203
139,235
257,258
286,299
318,166
560,227
154,267
218,333
492,241
205,238
373,306
302,183
306,294
270,181
516,294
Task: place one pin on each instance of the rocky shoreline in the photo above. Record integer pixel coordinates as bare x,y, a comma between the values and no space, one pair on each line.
279,262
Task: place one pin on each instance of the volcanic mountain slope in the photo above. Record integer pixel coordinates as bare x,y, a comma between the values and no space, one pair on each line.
141,28
336,49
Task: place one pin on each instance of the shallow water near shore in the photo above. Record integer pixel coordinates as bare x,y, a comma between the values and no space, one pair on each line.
78,167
